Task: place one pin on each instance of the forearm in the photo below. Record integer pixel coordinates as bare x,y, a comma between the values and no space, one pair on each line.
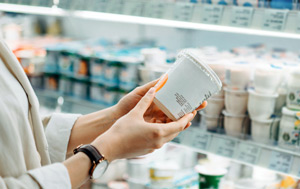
78,168
90,126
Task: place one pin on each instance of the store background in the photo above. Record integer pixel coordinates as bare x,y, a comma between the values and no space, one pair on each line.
39,31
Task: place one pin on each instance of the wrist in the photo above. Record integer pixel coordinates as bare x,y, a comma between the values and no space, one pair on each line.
105,146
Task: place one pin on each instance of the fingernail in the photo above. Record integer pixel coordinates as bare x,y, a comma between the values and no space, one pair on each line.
191,115
151,91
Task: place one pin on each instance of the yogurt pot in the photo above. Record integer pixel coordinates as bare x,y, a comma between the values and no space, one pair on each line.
214,106
264,130
154,56
237,76
261,106
267,80
293,95
281,100
210,176
138,169
162,173
289,129
210,122
186,85
235,125
236,101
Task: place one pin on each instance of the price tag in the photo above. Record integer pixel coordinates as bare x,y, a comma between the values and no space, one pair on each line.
154,9
225,147
274,19
200,140
183,11
212,14
134,8
281,161
248,153
298,23
241,16
115,6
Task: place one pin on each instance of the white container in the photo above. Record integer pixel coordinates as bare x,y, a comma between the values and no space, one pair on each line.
237,76
289,129
235,125
214,106
236,101
210,122
154,56
293,96
261,106
267,80
186,86
162,173
138,169
264,130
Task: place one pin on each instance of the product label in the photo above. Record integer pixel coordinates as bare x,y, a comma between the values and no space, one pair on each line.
298,21
293,97
212,14
274,19
281,162
200,140
134,8
185,89
225,147
154,9
241,16
183,11
248,153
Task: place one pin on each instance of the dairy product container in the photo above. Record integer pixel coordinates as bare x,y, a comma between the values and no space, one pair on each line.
236,101
210,176
289,129
264,130
154,56
267,80
237,76
214,106
162,173
261,106
280,100
293,95
138,170
186,86
81,67
235,125
96,69
210,122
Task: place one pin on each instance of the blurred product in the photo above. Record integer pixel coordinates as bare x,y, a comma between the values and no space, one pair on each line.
235,125
293,95
236,101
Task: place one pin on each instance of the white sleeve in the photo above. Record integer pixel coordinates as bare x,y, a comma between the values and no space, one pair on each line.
58,132
47,177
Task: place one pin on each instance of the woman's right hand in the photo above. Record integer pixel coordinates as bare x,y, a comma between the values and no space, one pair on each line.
133,136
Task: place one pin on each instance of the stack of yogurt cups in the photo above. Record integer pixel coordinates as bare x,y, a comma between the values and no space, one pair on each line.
262,103
211,116
289,132
237,79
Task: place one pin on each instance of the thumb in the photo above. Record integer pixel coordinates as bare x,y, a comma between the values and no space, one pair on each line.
145,102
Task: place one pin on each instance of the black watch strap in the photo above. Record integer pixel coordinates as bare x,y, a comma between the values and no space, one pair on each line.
95,156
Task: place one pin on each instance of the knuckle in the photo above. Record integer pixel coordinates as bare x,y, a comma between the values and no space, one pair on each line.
157,133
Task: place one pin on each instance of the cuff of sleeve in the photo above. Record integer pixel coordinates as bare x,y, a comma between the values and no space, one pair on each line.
52,176
58,133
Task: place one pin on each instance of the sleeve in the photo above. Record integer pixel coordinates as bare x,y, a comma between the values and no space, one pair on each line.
52,176
58,128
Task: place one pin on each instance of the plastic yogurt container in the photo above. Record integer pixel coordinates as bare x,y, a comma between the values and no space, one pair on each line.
186,85
293,95
289,129
210,177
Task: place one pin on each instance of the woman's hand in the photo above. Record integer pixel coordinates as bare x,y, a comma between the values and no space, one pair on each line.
132,135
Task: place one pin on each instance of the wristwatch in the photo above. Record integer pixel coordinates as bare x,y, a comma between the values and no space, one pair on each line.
99,163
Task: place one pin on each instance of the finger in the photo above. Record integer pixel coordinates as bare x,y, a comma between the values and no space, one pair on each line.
177,126
142,90
202,106
145,102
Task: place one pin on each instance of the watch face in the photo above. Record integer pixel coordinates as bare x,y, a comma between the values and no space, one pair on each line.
100,169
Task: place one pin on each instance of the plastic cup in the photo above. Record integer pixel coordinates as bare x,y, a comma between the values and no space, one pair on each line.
236,101
235,125
267,80
214,106
264,130
186,85
210,122
261,106
210,177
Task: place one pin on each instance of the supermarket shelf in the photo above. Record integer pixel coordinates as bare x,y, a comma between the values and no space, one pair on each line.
228,19
247,152
68,104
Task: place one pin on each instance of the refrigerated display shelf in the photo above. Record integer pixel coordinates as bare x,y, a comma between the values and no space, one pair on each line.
243,151
55,101
230,19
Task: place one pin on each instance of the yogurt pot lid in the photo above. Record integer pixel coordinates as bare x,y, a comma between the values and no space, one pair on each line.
233,115
211,170
252,92
190,54
289,112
